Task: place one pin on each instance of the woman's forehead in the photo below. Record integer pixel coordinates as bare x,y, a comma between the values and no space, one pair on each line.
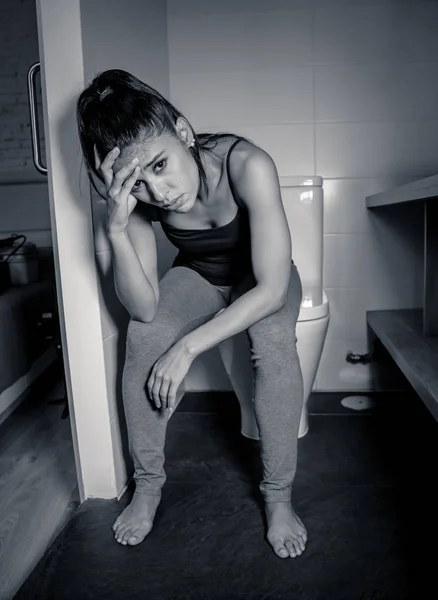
144,150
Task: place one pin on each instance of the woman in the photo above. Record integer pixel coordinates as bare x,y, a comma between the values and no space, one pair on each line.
233,273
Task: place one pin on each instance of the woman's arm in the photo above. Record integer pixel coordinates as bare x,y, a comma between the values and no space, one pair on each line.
256,181
135,267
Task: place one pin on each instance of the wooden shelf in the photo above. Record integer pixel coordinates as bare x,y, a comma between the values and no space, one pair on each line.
422,189
411,335
401,332
426,191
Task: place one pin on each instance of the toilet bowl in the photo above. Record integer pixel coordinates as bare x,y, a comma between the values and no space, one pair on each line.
311,330
303,203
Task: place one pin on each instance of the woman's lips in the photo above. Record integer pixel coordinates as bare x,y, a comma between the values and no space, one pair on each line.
177,202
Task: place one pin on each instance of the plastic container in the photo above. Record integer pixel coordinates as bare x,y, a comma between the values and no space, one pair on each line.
23,263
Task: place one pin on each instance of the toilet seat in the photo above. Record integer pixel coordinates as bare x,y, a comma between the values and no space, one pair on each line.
310,313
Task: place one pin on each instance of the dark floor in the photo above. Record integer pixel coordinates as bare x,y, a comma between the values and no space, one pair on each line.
365,490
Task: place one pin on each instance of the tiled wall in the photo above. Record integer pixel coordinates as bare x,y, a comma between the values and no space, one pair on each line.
344,89
340,88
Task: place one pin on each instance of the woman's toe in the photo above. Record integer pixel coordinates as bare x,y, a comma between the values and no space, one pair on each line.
291,548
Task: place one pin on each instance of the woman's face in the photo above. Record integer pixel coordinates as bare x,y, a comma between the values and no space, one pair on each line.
168,171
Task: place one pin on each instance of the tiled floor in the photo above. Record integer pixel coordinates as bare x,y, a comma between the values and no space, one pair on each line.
365,490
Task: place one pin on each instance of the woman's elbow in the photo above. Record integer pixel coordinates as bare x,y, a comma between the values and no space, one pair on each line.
143,318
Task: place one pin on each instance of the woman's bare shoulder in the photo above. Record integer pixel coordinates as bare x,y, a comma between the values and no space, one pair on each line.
245,151
253,173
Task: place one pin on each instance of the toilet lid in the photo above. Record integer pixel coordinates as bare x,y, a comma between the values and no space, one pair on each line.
310,313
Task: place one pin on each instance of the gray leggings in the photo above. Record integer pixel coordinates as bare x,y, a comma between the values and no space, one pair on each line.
187,300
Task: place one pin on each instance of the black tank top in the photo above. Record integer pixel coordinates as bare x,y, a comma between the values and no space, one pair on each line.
222,255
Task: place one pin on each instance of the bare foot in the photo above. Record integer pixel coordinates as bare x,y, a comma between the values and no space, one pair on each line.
135,522
286,532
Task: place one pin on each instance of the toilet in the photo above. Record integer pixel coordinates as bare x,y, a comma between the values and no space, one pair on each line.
303,203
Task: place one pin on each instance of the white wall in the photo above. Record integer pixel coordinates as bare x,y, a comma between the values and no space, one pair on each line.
338,88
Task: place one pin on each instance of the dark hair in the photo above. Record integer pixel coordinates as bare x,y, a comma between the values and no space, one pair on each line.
116,107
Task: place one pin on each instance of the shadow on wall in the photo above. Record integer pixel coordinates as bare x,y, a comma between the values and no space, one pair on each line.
402,229
115,312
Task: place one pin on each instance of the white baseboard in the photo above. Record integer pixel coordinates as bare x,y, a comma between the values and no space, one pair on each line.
14,394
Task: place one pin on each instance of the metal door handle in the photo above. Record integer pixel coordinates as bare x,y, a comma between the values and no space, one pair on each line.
33,118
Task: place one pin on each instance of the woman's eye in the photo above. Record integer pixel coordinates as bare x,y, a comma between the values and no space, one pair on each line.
136,185
160,162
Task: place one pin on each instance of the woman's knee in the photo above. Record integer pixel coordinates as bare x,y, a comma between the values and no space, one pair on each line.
272,335
142,336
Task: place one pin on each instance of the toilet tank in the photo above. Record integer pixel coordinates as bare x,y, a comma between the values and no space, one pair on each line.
303,203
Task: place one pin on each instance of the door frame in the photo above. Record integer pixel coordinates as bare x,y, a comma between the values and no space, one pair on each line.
62,80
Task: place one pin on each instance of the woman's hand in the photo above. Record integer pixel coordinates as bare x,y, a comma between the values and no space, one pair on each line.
121,202
167,375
